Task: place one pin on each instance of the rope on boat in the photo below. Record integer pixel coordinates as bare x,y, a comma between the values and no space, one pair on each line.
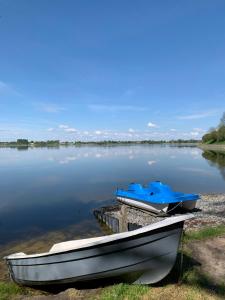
168,211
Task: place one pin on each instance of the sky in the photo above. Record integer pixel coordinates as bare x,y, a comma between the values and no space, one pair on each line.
102,69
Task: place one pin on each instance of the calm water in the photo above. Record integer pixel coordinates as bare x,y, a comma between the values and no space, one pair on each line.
44,190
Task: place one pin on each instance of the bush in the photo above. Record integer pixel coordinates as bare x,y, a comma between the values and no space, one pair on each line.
221,134
210,137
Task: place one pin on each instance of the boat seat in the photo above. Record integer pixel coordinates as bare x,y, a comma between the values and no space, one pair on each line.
74,244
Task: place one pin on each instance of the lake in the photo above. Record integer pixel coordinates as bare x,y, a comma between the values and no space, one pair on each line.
46,190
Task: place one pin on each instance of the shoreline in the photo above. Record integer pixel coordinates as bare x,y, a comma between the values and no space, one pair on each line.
96,143
210,213
213,147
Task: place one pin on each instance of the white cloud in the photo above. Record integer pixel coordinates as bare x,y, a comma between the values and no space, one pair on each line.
197,132
198,115
173,130
65,132
62,126
98,132
67,128
151,162
198,129
48,107
115,108
152,125
194,133
70,130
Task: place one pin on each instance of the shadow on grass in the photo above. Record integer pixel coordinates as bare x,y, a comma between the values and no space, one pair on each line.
190,275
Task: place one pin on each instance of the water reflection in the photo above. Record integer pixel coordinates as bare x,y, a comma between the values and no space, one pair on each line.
22,148
48,189
216,158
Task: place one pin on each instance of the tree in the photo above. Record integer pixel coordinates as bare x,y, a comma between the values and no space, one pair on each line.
216,135
221,134
222,120
210,137
22,141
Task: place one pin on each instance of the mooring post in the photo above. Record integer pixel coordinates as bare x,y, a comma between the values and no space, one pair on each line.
123,225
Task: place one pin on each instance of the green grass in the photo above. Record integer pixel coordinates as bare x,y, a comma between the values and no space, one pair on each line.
210,142
205,233
124,291
9,290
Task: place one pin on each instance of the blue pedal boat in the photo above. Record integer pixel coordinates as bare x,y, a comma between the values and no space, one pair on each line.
156,197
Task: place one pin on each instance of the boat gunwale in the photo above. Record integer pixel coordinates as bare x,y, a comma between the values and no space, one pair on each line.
111,238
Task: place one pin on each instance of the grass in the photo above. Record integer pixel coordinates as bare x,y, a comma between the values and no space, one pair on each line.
210,142
219,143
207,232
124,291
184,291
9,290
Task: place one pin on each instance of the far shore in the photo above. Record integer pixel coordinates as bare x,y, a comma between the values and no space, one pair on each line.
57,144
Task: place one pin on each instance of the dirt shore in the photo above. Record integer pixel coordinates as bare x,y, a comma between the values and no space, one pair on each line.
210,256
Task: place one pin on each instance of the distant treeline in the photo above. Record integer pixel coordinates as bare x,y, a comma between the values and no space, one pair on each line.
109,142
24,143
216,135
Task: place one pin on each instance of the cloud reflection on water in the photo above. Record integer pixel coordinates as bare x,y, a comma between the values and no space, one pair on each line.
38,185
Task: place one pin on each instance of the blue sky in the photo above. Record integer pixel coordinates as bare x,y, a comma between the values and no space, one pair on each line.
123,69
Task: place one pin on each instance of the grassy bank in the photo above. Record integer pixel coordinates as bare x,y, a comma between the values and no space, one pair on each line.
8,290
185,291
205,233
215,146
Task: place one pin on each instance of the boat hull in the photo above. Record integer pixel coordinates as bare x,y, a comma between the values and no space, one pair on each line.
189,205
158,208
149,255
